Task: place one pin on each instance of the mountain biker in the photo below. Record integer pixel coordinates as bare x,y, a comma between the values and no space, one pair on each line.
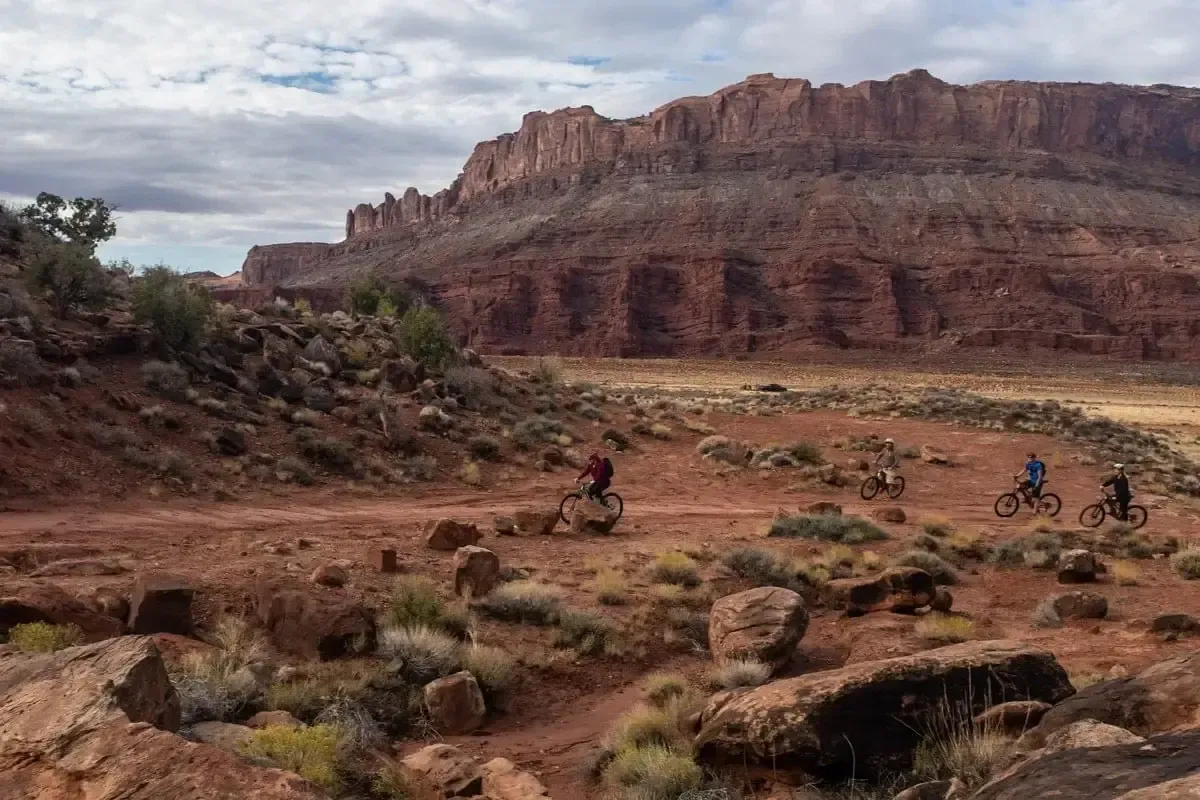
888,461
600,470
1035,476
1119,482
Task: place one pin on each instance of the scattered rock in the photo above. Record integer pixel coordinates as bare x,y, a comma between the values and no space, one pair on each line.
1081,605
589,517
893,514
433,418
161,603
932,456
321,350
537,522
503,781
382,559
910,588
476,571
942,601
313,624
1014,718
330,575
1077,566
1175,623
448,535
764,623
442,771
455,704
824,507
264,719
831,474
806,722
218,734
506,526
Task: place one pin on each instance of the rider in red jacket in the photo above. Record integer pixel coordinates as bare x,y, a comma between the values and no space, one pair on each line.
600,471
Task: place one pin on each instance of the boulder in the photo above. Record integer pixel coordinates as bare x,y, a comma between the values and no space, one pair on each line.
824,507
433,418
312,624
1081,605
1087,733
931,456
471,358
95,722
476,571
866,719
900,589
448,535
401,375
442,771
1077,566
35,601
109,602
268,719
1175,623
382,559
592,518
1013,718
321,350
910,588
942,601
330,575
455,704
161,603
1158,768
505,526
1161,699
218,734
503,781
536,521
765,624
893,514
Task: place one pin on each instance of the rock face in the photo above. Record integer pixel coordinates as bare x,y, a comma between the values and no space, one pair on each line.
786,214
95,722
311,623
764,624
866,719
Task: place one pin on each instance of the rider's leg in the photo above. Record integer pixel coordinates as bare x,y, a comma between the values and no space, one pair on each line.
599,488
1123,507
889,477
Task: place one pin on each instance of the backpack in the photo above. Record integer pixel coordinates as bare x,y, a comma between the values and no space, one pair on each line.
608,468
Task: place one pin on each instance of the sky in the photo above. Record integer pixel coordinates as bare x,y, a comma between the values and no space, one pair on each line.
216,125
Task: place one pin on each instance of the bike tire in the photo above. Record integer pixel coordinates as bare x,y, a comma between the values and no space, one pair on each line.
870,488
615,503
1092,516
567,506
1137,516
1006,505
896,488
1052,501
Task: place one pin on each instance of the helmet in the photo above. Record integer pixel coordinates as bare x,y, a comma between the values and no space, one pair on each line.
889,440
1118,466
1031,454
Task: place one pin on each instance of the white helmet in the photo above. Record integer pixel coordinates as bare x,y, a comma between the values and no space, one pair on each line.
1118,466
889,441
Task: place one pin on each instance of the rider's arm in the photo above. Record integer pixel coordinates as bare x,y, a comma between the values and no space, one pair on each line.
1108,482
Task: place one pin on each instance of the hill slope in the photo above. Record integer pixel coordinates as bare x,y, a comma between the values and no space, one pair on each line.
775,215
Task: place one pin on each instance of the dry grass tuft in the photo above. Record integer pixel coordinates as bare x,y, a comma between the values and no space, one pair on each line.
945,629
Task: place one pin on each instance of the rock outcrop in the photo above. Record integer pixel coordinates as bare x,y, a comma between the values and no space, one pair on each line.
774,214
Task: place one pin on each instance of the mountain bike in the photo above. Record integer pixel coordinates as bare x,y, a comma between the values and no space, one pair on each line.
610,500
1093,515
1009,503
877,482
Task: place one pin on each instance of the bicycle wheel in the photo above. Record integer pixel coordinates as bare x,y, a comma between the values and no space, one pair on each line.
870,488
566,507
1006,505
1092,516
896,487
1049,504
1137,516
614,503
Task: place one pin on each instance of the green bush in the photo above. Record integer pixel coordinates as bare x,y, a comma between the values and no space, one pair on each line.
524,601
587,634
69,275
826,527
312,753
942,572
676,568
415,602
42,637
176,309
762,568
653,772
424,336
484,447
1187,564
373,296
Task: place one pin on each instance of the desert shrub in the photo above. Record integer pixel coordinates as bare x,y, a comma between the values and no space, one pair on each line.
304,416
329,452
374,296
211,684
476,387
676,568
611,587
1186,564
826,527
21,361
957,748
587,634
724,450
548,372
662,687
31,420
70,275
290,468
1125,573
320,399
177,310
942,572
42,637
524,601
357,729
945,629
1038,550
422,653
761,567
937,526
653,772
738,672
422,467
484,447
471,474
311,753
1045,615
495,671
424,336
616,438
538,430
686,626
660,431
414,602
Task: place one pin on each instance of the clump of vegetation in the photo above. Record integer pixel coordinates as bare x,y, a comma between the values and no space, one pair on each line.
1046,615
474,386
611,587
939,527
739,672
68,274
1125,573
652,772
587,634
424,336
548,372
827,528
616,439
725,450
1186,564
945,629
792,455
484,447
763,568
176,309
676,568
943,574
538,430
20,360
374,296
212,685
955,746
660,688
421,652
524,601
312,752
1038,550
495,671
331,453
414,602
42,637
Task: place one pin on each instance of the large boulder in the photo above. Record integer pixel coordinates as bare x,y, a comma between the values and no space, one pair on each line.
1077,566
593,518
933,456
161,603
448,535
503,781
310,623
536,521
476,571
23,602
455,704
1163,698
1081,605
95,722
442,771
764,624
866,719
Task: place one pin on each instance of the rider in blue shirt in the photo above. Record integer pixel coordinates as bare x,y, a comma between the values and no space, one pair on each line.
1035,475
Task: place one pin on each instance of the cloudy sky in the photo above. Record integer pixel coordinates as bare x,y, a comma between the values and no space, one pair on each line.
219,124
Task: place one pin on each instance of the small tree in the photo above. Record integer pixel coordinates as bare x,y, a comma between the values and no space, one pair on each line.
69,274
425,337
175,308
374,296
84,222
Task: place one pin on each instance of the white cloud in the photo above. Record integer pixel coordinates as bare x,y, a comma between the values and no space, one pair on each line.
218,124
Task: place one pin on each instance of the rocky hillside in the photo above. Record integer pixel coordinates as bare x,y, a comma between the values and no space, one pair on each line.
775,215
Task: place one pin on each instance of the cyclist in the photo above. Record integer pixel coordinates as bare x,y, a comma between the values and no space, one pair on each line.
887,461
1035,476
1119,482
600,470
